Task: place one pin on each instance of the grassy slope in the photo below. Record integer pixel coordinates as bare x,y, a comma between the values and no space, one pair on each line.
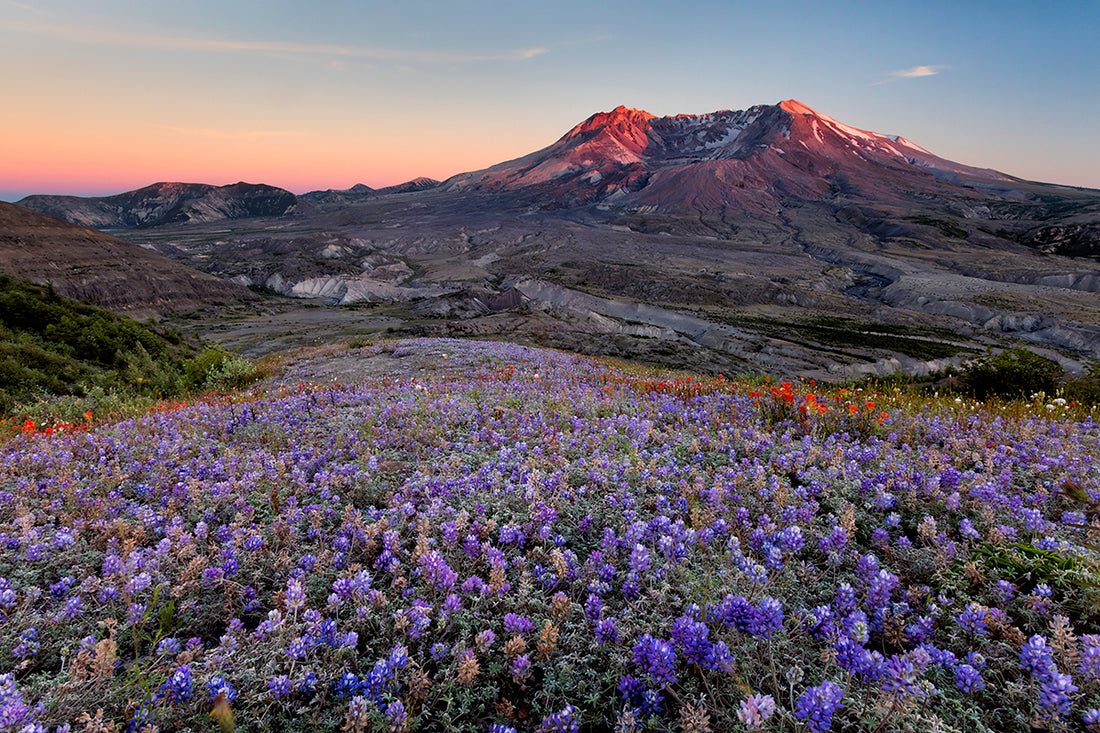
50,345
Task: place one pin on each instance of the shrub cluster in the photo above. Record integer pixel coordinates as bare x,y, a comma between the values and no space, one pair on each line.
53,346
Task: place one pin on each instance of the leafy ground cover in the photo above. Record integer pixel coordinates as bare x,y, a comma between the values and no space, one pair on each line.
526,540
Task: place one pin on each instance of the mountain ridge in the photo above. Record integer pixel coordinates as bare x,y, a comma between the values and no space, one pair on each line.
94,267
166,202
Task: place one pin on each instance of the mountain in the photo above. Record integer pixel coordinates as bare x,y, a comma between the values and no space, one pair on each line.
90,266
773,238
166,203
754,159
360,192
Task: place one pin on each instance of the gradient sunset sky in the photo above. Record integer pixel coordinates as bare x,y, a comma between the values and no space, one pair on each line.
107,96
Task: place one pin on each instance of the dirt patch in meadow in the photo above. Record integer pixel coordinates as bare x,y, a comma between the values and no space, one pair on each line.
421,359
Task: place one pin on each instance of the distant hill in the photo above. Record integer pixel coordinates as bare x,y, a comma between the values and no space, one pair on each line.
97,268
166,203
360,192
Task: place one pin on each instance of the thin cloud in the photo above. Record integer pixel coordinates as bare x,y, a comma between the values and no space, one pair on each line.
231,135
120,38
913,73
23,6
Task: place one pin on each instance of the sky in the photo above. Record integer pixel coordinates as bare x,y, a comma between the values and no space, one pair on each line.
108,96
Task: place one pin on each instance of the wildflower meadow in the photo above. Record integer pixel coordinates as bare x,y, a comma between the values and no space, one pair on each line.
545,542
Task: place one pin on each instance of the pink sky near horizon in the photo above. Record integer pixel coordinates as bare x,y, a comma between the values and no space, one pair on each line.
113,163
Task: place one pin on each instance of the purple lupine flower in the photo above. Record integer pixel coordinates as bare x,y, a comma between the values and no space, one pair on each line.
867,567
28,644
515,624
639,558
436,571
347,686
881,589
452,603
768,618
295,595
973,618
13,711
817,705
220,686
1054,694
1090,656
818,622
565,720
306,683
280,685
606,633
755,710
855,627
968,679
136,613
920,630
657,658
832,543
399,657
1005,591
177,688
899,675
593,608
484,639
858,659
521,667
844,602
397,716
1037,658
169,646
691,639
734,611
790,539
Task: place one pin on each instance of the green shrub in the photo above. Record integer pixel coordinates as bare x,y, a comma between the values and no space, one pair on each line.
217,370
1085,389
1011,373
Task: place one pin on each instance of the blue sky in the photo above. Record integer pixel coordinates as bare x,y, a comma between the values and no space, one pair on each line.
105,96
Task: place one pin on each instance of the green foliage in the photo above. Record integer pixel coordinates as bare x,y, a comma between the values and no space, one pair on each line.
1011,373
215,369
53,347
1085,389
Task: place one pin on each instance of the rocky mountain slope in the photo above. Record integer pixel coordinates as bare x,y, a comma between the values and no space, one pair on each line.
166,203
773,237
90,266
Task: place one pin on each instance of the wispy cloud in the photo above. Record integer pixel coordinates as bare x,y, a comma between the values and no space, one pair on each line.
232,135
913,73
24,6
105,37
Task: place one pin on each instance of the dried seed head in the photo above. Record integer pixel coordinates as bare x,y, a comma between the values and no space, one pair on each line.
419,684
548,639
694,719
560,607
468,669
515,646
